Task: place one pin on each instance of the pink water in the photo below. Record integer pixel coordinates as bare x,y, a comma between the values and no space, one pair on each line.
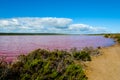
12,46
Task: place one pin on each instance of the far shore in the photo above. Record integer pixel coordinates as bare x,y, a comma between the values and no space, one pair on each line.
105,66
46,34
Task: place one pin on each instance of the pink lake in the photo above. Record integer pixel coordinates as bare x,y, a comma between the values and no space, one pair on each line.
12,46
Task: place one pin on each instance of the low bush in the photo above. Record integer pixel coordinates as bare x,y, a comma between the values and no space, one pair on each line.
43,64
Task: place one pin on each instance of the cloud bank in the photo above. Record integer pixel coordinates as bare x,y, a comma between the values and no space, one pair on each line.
46,25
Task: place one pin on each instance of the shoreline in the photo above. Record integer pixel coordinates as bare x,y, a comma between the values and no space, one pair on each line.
105,66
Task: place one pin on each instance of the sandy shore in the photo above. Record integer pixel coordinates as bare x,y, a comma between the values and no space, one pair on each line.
106,66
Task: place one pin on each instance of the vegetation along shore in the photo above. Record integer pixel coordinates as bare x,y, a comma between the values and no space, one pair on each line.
43,64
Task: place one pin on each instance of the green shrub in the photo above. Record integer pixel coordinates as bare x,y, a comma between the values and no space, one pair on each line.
43,64
84,54
107,35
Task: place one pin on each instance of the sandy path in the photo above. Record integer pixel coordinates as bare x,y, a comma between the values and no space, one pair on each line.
105,66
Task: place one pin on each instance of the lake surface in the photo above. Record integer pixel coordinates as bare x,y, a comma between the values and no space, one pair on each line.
12,46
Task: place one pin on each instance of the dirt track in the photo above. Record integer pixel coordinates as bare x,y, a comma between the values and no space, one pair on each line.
106,66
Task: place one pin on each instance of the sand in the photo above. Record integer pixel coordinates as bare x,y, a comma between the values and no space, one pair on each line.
105,66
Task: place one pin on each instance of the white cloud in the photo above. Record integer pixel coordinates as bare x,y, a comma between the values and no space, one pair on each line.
81,27
46,24
86,28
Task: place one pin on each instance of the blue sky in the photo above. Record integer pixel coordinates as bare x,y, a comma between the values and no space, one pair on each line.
70,16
